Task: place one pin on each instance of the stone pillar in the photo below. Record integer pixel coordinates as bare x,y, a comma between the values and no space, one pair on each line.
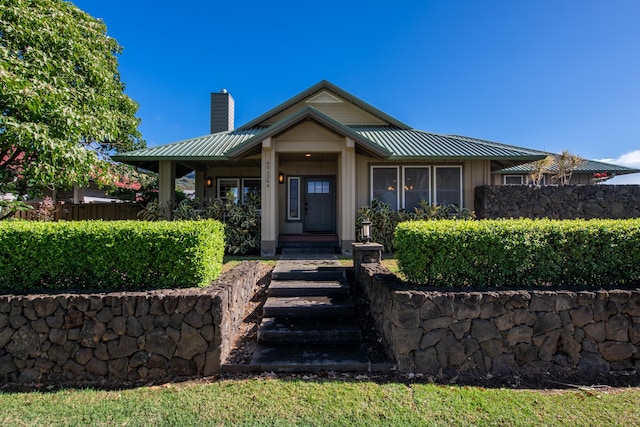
365,253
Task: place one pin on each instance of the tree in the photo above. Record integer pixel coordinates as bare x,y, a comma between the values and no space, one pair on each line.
541,167
566,163
63,110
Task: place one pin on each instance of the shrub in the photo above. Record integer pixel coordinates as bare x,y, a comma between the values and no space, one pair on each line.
242,223
109,255
520,253
242,220
384,219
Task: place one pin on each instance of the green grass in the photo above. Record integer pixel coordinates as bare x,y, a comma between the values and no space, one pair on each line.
319,403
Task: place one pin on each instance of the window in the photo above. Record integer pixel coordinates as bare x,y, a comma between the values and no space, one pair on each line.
293,201
250,187
228,187
444,187
448,185
318,187
513,180
416,186
384,185
232,186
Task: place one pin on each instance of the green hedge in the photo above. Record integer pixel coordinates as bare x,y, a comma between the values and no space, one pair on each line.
520,253
109,255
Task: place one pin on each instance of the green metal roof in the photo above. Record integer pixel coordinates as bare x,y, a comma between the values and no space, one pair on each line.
207,147
417,144
396,141
587,166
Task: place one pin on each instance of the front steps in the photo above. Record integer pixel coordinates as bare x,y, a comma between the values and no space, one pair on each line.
309,321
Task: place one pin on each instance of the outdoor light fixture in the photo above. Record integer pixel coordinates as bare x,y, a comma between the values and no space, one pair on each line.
281,178
307,155
366,231
209,182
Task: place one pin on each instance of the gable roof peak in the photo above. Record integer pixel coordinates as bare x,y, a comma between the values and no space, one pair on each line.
331,92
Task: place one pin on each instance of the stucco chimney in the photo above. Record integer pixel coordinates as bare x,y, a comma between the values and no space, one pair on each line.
221,111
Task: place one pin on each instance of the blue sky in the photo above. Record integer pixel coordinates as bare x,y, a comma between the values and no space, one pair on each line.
546,74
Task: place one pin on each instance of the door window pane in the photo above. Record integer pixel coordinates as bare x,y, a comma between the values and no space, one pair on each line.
318,187
384,185
448,182
416,186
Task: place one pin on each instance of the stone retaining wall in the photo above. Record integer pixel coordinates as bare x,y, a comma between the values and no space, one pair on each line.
558,202
479,335
123,336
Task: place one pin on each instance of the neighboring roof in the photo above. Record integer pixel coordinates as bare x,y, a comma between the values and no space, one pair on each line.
587,166
336,90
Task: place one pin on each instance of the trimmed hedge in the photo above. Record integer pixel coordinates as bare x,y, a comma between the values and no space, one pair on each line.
109,255
520,253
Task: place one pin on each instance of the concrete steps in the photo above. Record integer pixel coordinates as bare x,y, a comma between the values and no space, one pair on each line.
298,288
311,358
309,322
307,331
305,307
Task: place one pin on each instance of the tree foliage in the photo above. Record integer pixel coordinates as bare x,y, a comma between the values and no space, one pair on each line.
62,106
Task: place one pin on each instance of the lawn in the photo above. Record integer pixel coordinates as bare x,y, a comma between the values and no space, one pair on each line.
295,401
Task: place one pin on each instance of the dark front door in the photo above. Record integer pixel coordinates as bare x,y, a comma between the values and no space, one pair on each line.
319,205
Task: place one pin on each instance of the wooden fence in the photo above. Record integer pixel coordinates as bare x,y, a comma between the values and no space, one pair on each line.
87,211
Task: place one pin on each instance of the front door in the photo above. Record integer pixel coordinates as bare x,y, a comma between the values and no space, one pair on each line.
319,205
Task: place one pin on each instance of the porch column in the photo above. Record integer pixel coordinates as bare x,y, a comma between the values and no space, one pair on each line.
166,185
200,184
269,185
347,196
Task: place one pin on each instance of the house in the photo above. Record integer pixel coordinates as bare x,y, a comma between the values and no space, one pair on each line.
587,172
319,156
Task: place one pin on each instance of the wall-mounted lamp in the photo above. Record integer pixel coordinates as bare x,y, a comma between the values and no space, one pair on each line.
307,155
209,182
366,231
281,178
